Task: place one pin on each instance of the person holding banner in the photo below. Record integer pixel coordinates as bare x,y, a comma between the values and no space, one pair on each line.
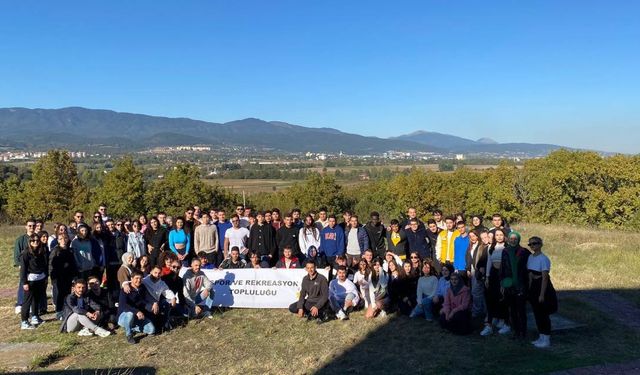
314,295
343,294
198,291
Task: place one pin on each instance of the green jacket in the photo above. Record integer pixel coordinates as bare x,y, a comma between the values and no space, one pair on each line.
22,243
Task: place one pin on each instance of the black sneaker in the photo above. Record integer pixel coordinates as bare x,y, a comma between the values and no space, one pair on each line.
131,340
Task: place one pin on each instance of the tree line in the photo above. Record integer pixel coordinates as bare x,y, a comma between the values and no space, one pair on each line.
566,186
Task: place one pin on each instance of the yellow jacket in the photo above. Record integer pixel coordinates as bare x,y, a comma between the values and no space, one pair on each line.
444,246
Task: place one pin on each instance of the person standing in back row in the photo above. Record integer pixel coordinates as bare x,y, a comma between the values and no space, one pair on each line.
377,235
357,241
22,245
206,239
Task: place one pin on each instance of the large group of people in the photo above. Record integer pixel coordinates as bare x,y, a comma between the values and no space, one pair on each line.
108,273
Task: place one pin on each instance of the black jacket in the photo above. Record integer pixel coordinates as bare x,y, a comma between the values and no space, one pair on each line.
262,240
288,236
62,264
479,260
507,272
418,241
156,238
33,262
402,248
176,285
377,238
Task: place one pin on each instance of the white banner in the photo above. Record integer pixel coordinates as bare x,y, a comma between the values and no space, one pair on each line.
256,288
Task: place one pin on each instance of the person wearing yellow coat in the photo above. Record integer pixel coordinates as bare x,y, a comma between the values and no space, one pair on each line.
444,246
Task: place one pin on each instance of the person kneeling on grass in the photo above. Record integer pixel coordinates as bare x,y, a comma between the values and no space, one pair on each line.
133,309
455,315
343,294
198,291
314,296
81,312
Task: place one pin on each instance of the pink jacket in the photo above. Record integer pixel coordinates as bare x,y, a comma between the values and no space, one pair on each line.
453,304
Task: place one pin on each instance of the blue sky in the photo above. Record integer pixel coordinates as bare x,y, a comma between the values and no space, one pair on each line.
563,72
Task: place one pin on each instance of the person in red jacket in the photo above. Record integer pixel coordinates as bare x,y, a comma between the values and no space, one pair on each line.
288,260
455,315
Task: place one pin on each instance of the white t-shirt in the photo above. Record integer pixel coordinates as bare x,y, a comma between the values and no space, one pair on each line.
237,237
538,263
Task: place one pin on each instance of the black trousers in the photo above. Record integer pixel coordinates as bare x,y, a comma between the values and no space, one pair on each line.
32,299
154,257
293,308
61,289
517,304
460,323
496,305
540,311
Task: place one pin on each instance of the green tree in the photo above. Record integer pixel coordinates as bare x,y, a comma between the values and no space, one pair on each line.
182,187
122,190
318,191
54,189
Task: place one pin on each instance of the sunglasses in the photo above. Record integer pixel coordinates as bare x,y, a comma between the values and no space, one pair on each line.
414,257
175,267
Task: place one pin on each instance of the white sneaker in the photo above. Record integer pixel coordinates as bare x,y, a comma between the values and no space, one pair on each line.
18,309
536,341
85,332
504,330
35,321
545,342
341,315
207,314
486,331
26,325
499,324
382,314
102,332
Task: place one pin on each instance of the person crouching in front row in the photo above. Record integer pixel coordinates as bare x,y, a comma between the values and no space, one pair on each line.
314,296
81,313
133,311
343,294
198,291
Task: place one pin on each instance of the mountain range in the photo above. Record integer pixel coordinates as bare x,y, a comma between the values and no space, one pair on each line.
90,129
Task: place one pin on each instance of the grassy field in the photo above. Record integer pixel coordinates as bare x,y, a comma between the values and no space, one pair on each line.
251,185
246,341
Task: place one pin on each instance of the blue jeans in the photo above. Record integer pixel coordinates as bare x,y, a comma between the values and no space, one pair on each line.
425,308
130,323
337,303
20,296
